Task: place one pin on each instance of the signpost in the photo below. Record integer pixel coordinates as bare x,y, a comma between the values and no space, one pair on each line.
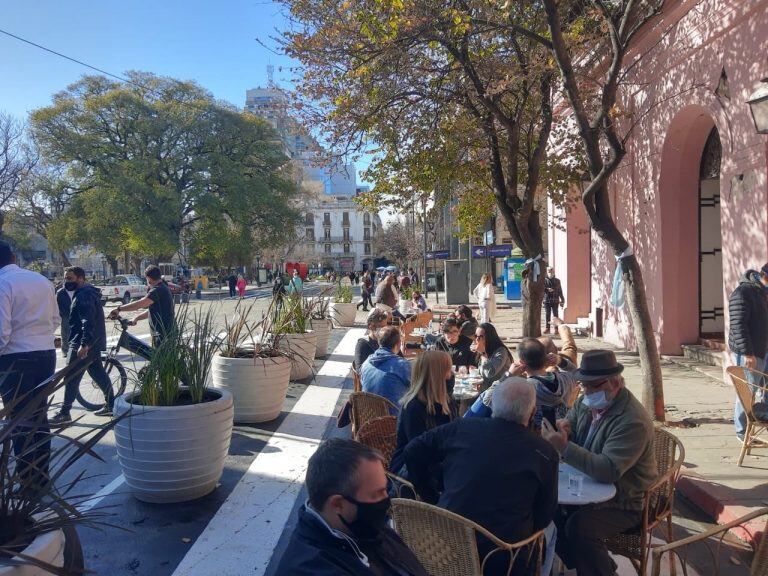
495,251
439,255
478,251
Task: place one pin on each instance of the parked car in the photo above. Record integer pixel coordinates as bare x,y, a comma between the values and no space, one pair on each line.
122,288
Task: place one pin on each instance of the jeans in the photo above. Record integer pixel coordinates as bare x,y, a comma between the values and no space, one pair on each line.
580,534
97,372
739,417
23,371
232,290
366,301
551,310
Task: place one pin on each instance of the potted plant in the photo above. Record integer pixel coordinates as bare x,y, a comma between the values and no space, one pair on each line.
404,303
321,322
39,513
292,332
342,309
255,370
173,446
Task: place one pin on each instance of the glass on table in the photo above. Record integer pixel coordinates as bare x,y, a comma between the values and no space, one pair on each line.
462,371
575,483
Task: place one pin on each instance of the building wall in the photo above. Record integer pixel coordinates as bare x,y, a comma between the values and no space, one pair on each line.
655,192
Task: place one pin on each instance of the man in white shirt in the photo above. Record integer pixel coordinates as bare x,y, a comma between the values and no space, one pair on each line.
28,317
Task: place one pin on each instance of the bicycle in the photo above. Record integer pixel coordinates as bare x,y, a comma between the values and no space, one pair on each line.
89,395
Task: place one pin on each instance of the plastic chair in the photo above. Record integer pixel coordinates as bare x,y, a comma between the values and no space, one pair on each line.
366,407
658,503
446,543
380,434
746,394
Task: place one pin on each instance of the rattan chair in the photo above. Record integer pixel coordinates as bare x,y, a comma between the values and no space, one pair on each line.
446,543
658,503
357,385
678,550
366,407
746,394
381,434
424,319
401,488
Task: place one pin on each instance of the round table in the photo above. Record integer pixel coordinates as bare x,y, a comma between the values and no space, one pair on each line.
592,491
465,392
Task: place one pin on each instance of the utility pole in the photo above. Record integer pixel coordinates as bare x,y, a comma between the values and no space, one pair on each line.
424,229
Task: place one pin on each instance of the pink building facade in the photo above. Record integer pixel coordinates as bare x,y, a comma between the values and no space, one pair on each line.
692,193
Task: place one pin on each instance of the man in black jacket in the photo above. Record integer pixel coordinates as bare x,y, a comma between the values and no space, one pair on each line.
496,471
748,332
87,338
466,321
342,529
553,297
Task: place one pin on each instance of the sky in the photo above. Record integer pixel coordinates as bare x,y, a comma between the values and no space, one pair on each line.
213,42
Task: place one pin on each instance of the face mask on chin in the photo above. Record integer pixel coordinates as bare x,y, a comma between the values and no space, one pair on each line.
372,518
596,400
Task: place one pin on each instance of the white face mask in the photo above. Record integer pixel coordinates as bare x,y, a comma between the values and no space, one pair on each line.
596,400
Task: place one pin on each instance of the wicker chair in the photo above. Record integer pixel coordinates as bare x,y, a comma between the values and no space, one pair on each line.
424,319
658,503
678,550
746,393
381,434
366,407
401,488
446,543
357,385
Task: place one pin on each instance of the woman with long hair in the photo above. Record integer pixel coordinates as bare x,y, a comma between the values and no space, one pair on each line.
377,319
426,404
495,358
485,292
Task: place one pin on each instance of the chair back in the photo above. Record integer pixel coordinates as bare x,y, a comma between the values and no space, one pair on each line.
446,543
759,565
366,407
380,434
356,382
744,390
424,319
660,496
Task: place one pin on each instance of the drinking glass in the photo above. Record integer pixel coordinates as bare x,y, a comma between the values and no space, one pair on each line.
463,371
575,484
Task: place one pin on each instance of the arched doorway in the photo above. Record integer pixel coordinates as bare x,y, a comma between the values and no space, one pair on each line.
711,311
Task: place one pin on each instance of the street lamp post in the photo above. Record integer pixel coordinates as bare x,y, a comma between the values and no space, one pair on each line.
258,269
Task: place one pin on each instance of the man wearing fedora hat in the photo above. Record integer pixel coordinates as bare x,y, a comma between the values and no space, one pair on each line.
607,435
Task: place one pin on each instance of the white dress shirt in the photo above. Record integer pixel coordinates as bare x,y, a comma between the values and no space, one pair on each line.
28,311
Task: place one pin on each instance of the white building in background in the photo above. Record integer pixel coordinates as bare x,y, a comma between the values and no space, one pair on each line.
336,233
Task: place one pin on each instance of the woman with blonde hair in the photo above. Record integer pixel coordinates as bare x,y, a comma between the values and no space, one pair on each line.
426,404
485,292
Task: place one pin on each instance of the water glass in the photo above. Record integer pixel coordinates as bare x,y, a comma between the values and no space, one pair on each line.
462,371
575,484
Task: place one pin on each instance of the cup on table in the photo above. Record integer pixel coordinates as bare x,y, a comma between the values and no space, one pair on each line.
473,372
462,371
575,483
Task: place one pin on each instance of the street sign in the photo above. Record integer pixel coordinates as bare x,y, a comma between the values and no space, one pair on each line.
439,255
500,250
478,252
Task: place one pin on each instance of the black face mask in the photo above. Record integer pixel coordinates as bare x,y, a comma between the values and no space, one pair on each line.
70,286
371,518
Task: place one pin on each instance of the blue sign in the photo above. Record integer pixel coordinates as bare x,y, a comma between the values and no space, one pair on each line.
439,255
478,252
500,251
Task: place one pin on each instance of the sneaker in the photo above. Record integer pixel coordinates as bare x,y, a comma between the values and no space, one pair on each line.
61,419
103,412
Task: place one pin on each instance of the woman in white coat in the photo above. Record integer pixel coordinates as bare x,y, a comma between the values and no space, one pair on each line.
486,298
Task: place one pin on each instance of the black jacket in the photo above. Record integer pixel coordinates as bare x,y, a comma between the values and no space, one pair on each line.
748,312
468,327
553,291
412,422
364,348
495,472
86,319
316,551
461,355
64,302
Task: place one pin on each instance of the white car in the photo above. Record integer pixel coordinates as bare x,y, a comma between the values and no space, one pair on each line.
122,288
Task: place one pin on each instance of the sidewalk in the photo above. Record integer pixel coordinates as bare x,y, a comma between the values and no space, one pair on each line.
700,413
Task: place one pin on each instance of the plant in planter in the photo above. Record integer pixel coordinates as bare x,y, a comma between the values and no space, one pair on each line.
173,446
255,370
39,513
321,321
342,309
293,328
406,294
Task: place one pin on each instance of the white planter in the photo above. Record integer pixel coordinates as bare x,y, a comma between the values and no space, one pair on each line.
343,314
404,306
323,330
48,547
301,348
257,385
173,453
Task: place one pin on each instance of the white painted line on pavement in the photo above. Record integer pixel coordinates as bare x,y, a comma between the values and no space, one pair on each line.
242,536
101,494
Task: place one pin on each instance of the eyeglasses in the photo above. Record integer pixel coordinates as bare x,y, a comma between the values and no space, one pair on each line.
593,385
480,337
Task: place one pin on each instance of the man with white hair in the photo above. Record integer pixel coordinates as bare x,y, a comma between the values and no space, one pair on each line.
496,471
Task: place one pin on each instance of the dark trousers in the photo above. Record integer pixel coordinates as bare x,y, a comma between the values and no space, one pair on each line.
22,372
550,310
97,372
580,534
232,290
64,335
366,300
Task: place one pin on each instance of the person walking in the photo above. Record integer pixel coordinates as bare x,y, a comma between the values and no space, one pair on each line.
28,318
748,334
296,285
88,338
232,282
64,302
486,298
365,292
241,284
553,297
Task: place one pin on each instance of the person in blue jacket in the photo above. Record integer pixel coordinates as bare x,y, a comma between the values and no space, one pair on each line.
385,372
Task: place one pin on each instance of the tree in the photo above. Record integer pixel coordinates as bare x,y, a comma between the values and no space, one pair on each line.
400,243
17,160
454,98
155,161
591,79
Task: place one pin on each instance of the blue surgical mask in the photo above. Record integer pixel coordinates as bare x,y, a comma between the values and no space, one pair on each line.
596,400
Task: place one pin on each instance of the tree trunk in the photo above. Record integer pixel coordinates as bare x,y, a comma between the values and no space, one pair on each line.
64,259
112,261
533,297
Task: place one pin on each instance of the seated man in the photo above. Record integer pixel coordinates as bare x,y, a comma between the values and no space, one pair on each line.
343,529
456,344
466,321
496,471
385,372
608,435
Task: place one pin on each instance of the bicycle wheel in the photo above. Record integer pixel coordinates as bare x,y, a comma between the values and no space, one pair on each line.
90,395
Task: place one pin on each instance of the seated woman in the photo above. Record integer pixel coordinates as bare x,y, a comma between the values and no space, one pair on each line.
376,320
417,302
425,405
495,358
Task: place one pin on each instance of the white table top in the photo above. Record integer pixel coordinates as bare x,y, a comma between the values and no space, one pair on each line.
592,491
466,388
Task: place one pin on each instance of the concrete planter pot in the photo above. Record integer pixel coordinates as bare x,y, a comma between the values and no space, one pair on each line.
343,313
323,329
173,453
404,306
257,385
301,348
48,547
